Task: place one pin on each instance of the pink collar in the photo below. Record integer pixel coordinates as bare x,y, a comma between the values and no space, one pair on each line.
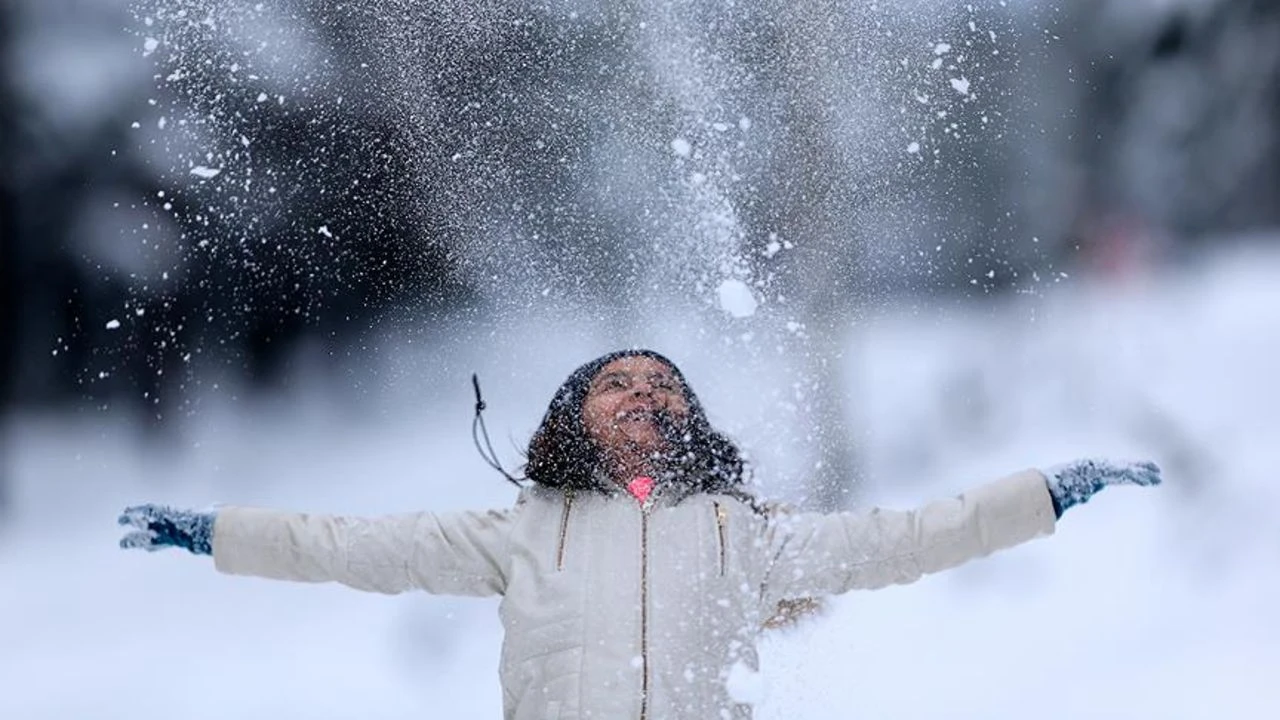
641,487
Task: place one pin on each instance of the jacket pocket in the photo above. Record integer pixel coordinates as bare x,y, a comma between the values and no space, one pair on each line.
722,535
564,530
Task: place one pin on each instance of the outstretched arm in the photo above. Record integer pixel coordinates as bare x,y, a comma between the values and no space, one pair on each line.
458,553
818,554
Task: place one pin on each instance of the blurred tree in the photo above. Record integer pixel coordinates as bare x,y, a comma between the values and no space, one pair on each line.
883,178
1170,122
143,281
312,224
9,271
820,176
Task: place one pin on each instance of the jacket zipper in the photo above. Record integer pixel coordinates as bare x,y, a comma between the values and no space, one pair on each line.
564,529
722,531
644,612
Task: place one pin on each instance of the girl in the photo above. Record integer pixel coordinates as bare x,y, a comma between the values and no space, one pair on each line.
636,571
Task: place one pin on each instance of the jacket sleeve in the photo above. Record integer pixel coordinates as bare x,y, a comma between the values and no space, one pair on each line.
456,554
824,554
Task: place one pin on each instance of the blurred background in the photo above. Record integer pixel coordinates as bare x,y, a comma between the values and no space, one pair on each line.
250,253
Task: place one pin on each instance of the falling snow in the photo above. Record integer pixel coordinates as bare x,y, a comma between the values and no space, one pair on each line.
736,298
354,168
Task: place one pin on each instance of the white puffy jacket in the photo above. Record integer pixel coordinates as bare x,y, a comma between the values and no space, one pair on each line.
616,610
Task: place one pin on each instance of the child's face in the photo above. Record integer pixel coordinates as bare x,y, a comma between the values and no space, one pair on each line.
624,401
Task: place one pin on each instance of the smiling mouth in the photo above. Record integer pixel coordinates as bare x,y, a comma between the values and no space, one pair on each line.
637,415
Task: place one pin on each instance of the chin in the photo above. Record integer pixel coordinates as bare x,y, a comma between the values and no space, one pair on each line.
647,444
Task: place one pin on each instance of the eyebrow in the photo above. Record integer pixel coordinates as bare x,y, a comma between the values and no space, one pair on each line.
612,374
669,377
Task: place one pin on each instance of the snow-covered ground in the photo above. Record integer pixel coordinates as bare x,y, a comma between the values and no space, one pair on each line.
1145,604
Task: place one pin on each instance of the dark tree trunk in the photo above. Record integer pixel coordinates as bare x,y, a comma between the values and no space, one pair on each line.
9,272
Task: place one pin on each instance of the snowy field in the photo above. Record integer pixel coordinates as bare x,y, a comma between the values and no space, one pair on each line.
1146,604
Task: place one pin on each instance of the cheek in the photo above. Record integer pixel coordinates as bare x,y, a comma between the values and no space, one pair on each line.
595,419
677,404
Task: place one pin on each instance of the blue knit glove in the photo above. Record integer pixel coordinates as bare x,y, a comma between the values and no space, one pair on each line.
159,527
1075,482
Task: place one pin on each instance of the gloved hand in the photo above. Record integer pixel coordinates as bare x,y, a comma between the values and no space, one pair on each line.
1075,482
159,527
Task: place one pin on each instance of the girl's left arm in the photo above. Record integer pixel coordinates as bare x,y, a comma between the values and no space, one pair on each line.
821,554
831,553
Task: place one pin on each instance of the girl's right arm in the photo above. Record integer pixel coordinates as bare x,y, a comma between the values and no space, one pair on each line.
461,553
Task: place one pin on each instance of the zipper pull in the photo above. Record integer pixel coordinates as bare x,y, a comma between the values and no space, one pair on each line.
722,527
564,529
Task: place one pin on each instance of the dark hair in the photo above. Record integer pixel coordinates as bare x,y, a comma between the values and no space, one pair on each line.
562,455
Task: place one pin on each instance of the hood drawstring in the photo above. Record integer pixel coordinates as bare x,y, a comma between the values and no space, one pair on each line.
478,430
